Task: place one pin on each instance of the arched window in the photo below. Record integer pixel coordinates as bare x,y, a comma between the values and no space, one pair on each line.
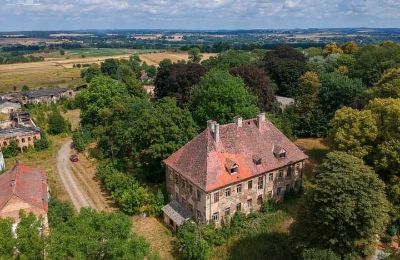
23,140
29,139
34,138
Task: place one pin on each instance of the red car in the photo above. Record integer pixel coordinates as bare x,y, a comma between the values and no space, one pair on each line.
74,158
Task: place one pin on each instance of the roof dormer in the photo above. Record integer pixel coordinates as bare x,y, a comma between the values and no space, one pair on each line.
279,152
231,166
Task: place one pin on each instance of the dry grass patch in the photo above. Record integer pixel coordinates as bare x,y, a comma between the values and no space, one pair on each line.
160,238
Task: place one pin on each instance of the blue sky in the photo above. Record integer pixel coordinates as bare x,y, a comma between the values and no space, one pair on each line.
196,14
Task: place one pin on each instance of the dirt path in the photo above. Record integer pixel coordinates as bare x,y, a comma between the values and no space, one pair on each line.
79,181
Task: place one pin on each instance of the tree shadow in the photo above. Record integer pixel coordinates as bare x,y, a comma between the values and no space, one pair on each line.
274,246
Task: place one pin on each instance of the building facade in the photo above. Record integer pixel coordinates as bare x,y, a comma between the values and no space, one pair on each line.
231,168
25,137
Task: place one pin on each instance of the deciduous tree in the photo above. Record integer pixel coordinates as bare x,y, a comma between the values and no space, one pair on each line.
354,131
259,84
177,80
345,209
221,96
285,65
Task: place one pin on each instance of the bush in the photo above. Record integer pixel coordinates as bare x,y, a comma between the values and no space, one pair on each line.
128,193
269,206
57,123
392,230
41,144
59,212
80,140
11,150
191,242
319,254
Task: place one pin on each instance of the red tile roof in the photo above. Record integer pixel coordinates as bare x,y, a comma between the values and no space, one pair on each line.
203,161
27,183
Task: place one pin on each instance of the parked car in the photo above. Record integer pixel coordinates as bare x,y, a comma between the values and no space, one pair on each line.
74,158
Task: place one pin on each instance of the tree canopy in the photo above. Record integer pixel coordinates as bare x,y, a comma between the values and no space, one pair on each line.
373,60
259,83
221,96
177,80
146,133
285,65
345,209
92,235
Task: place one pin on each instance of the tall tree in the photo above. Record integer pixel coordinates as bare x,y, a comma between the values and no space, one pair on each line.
307,94
145,133
354,131
259,84
285,65
345,209
230,59
339,90
387,87
95,101
30,242
177,80
332,48
110,67
373,60
194,55
221,96
7,240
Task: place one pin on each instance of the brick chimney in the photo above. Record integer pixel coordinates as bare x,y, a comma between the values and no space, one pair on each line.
238,121
260,119
214,127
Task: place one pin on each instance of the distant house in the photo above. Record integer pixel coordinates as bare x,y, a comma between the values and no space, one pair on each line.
231,168
47,96
24,188
7,107
284,102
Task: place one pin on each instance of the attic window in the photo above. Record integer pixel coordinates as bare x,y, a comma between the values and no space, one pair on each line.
231,166
257,159
279,152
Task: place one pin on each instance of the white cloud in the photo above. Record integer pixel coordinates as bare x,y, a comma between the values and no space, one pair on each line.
205,13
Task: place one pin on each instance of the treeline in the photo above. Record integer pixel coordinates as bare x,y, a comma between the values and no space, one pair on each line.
17,57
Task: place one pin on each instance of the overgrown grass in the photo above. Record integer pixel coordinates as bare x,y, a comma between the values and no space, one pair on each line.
265,236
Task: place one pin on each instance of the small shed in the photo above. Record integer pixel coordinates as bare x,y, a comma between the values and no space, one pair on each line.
175,215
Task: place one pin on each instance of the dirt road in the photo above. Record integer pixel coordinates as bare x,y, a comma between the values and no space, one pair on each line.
78,196
79,181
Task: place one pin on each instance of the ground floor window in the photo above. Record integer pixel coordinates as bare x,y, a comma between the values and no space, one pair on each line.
239,207
227,211
259,200
215,216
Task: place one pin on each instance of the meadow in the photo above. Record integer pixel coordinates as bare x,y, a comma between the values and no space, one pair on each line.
59,71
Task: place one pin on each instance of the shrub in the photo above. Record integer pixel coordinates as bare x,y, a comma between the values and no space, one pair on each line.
191,242
42,143
269,206
57,123
80,140
319,254
131,197
392,230
11,150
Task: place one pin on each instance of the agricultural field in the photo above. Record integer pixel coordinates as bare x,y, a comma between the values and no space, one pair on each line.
61,72
100,52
